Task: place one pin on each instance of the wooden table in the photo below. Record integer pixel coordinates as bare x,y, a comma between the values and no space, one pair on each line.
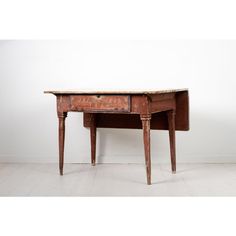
158,110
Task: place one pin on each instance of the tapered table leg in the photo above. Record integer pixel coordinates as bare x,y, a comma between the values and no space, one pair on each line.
146,139
171,124
61,129
93,132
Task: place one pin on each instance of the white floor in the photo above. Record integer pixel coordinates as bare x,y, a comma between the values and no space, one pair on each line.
117,180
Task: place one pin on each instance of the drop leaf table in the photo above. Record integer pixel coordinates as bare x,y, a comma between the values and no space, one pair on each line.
158,110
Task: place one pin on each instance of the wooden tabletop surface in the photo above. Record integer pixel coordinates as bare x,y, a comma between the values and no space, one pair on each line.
115,91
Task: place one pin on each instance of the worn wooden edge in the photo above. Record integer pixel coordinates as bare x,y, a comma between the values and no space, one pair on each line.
73,92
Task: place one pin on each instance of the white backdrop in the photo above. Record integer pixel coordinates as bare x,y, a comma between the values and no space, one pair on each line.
28,121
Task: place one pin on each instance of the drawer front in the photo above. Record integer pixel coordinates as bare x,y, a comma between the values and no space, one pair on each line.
100,103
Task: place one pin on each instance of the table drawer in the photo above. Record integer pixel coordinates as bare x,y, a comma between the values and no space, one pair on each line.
100,103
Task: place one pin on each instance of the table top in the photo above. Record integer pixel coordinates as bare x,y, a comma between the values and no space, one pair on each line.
58,92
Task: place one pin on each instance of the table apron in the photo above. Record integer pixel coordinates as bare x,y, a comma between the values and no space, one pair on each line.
94,103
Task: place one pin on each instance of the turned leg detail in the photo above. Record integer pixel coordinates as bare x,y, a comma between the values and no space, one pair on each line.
93,132
146,139
171,124
61,129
